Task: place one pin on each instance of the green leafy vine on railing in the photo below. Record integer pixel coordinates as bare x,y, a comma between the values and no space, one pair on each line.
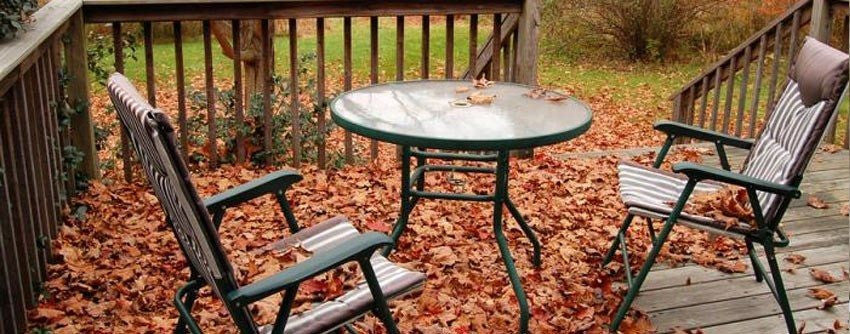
14,15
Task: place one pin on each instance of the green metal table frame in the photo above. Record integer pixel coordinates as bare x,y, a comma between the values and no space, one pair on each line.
413,189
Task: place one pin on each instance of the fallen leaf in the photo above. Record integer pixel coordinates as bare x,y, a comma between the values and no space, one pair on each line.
461,89
817,203
838,325
481,99
820,293
802,327
824,276
831,148
536,93
795,258
482,83
732,267
828,303
556,98
845,209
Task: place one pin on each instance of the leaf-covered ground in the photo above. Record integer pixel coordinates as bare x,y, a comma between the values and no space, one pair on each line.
120,265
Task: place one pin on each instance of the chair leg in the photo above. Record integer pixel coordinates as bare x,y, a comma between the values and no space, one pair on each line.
751,251
779,287
634,288
616,243
182,325
383,311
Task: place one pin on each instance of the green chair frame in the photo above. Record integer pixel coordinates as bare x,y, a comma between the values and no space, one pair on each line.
359,250
767,234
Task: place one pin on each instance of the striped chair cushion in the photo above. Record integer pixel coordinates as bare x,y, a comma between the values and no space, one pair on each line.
395,281
778,155
153,138
649,192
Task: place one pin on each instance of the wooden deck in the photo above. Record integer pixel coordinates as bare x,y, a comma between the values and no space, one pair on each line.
735,303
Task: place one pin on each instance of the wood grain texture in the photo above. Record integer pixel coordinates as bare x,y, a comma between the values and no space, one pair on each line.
294,103
320,91
128,11
78,94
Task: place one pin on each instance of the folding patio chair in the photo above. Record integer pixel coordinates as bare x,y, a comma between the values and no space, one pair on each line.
771,173
332,243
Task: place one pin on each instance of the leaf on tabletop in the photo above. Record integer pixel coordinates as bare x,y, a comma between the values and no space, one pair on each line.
481,99
816,202
482,83
461,89
556,98
536,93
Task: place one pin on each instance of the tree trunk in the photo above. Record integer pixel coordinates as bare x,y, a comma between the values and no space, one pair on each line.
251,51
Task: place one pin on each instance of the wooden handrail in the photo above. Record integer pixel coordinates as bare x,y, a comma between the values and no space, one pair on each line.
753,40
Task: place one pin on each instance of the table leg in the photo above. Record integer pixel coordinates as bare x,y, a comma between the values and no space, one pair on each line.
529,233
406,205
499,201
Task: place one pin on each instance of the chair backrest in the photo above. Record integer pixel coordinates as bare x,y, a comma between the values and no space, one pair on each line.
153,138
797,123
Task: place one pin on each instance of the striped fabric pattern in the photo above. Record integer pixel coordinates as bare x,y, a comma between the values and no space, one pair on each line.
395,281
775,157
152,136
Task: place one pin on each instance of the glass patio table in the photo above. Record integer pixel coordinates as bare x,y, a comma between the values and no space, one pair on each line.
436,115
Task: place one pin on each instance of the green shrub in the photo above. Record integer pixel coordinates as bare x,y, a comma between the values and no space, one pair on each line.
14,15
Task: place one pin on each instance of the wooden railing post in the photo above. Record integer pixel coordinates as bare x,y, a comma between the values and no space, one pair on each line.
82,128
526,49
528,29
821,30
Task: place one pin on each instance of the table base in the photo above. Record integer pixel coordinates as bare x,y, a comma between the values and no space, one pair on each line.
413,189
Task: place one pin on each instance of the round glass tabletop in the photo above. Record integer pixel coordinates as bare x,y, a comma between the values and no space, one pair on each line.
437,114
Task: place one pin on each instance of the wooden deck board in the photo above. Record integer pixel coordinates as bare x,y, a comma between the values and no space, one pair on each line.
691,296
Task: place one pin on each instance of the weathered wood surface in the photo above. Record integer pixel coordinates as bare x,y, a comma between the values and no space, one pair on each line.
692,296
104,11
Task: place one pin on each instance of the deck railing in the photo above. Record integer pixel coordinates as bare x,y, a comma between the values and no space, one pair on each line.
43,93
47,137
499,58
731,95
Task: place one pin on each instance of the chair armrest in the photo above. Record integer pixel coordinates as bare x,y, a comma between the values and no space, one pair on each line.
269,183
361,246
701,172
690,131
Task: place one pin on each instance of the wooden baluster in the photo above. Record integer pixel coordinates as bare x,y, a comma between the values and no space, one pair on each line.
118,47
730,90
182,119
320,91
795,32
473,45
506,60
742,98
689,105
426,46
399,48
495,61
44,164
346,39
294,104
52,133
147,31
450,46
25,136
78,95
13,259
265,70
17,183
514,53
704,101
373,72
715,108
212,137
56,60
238,89
774,75
757,88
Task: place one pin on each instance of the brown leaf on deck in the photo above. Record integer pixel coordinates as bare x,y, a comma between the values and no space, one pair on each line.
845,209
824,276
816,202
820,293
732,267
828,303
795,258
